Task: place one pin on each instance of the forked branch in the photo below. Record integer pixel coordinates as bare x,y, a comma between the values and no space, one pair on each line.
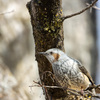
83,10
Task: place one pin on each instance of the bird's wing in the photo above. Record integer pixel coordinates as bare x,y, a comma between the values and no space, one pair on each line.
84,71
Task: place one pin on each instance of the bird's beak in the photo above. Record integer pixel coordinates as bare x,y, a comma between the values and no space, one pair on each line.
42,53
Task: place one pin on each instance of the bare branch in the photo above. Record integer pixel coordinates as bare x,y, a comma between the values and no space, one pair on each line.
71,91
77,13
6,12
93,87
95,7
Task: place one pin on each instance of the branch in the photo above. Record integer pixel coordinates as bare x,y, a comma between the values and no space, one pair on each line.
6,12
71,91
95,7
96,87
77,13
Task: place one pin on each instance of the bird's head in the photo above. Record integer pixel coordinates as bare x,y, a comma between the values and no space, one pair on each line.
53,54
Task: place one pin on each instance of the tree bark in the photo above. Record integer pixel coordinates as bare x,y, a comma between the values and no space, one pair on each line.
48,33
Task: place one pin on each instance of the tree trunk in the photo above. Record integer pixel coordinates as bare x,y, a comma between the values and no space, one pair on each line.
48,33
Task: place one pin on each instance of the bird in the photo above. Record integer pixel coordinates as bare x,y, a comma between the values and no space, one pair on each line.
69,72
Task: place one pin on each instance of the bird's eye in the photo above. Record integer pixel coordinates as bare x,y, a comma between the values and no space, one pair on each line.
51,53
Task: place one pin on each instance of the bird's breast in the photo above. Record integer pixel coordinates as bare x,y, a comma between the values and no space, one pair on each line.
68,73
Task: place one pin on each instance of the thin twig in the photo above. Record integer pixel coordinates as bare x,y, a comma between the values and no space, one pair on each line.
92,87
97,86
49,72
6,12
43,86
95,7
73,92
95,96
77,13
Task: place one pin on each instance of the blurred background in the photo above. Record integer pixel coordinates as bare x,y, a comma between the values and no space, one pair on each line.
18,67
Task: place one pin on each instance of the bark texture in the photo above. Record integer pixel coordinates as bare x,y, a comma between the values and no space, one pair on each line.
47,31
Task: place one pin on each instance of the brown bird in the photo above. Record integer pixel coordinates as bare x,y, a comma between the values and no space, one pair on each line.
68,71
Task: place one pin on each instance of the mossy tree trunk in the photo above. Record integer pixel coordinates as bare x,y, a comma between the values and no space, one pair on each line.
48,33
